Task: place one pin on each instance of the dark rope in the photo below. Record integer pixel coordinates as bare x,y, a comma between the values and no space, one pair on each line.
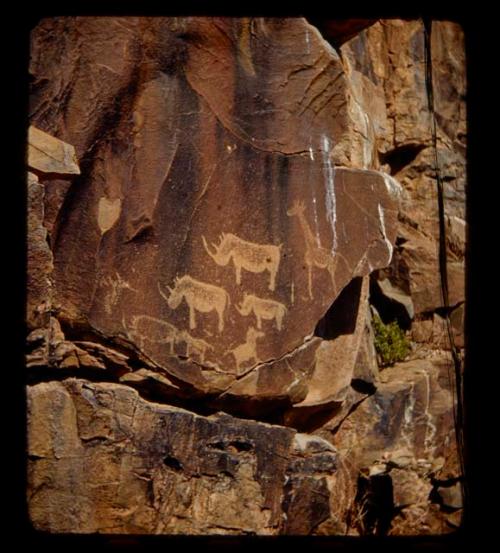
458,410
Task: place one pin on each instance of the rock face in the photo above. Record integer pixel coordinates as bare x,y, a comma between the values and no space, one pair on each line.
214,287
138,467
212,205
386,64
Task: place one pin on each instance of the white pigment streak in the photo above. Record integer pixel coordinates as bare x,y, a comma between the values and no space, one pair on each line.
330,199
382,228
430,428
316,224
392,185
311,155
367,151
408,423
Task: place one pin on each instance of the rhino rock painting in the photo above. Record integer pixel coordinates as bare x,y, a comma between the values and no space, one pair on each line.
199,296
255,258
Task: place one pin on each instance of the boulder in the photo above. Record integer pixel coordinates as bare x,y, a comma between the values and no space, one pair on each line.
399,439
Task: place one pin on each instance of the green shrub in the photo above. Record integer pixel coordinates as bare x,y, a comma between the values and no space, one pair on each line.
390,342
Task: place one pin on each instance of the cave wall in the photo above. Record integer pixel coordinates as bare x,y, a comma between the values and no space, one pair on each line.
216,209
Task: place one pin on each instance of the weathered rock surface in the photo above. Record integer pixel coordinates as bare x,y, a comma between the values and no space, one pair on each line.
206,200
50,155
226,280
386,65
400,441
39,258
101,459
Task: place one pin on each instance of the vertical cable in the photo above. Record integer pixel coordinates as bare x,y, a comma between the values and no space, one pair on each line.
458,409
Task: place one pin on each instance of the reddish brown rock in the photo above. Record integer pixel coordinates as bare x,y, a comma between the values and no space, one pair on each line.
104,460
39,259
407,424
227,280
385,64
432,331
336,357
188,128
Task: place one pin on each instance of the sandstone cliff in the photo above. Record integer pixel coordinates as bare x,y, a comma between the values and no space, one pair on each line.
217,209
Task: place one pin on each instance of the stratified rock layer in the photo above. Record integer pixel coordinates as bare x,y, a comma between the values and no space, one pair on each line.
104,460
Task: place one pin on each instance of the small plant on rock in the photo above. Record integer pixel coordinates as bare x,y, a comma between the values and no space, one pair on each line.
390,342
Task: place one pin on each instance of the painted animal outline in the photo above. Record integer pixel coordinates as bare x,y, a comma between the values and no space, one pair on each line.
199,296
248,350
252,257
315,255
117,285
194,345
145,328
262,309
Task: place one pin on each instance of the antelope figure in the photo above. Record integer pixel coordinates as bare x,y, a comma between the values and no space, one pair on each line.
194,345
199,296
252,257
315,255
248,350
262,309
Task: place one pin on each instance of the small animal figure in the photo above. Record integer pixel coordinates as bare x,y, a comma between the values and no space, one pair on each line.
248,350
262,309
194,345
144,328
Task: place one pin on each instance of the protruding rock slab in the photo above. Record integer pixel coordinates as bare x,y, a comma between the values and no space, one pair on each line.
212,230
48,154
104,460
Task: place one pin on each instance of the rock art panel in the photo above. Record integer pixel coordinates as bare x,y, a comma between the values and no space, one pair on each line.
235,186
212,202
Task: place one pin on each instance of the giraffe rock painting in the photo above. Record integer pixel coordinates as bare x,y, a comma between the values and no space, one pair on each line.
200,296
315,255
255,258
